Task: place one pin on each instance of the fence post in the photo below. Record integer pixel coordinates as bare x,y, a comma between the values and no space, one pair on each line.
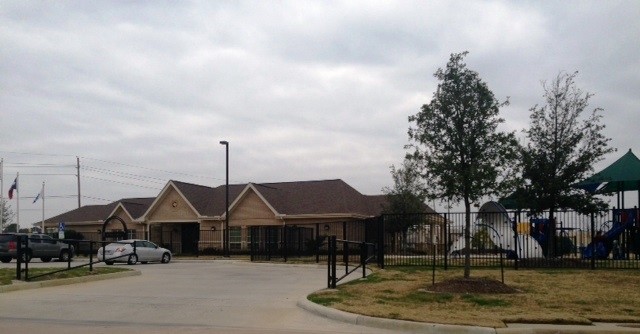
446,241
70,247
90,255
380,243
501,266
516,221
363,258
329,251
433,266
593,246
27,256
317,243
333,250
19,252
345,255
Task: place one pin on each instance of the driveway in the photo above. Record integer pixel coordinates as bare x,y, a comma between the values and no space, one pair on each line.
183,296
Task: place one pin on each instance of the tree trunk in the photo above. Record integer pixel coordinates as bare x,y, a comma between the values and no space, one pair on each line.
551,235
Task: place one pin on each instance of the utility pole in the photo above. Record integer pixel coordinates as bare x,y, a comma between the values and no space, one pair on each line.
78,168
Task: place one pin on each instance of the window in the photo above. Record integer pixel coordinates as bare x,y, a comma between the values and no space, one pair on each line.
235,238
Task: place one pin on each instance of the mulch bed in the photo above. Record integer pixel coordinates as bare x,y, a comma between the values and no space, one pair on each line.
471,285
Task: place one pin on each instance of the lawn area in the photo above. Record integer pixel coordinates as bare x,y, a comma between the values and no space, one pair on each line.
559,296
8,274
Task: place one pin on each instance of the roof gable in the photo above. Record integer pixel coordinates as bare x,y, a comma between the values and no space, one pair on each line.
171,204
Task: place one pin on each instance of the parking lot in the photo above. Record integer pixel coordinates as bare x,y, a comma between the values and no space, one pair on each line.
186,296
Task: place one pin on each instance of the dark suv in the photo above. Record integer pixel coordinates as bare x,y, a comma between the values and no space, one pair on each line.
35,245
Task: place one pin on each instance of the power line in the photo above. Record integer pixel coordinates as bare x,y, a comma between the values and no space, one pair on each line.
129,184
153,169
43,154
47,174
123,174
32,165
98,198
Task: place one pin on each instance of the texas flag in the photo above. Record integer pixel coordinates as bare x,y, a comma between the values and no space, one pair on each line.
14,186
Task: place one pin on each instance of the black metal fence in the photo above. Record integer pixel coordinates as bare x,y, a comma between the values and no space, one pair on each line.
366,253
28,247
430,239
309,242
609,239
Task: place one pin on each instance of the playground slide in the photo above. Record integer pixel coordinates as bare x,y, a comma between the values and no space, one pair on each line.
604,244
493,216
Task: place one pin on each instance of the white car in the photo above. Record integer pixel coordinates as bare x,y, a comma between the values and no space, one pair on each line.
123,251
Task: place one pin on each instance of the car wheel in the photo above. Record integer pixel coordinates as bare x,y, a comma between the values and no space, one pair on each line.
109,263
45,259
65,256
5,259
133,259
166,257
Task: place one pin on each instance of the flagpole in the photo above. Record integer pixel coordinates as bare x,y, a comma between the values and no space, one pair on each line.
42,231
18,201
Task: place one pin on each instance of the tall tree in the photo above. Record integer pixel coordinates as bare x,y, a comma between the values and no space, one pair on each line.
7,213
405,201
564,141
463,157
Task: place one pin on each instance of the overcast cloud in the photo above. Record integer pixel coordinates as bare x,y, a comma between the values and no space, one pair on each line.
302,90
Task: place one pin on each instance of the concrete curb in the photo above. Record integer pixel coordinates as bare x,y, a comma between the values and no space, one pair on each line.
17,286
567,329
391,324
431,328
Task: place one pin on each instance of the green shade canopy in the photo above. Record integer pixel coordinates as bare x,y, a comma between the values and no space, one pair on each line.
622,175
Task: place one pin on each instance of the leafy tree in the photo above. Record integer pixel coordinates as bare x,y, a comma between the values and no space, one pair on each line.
7,214
462,155
405,200
564,141
13,227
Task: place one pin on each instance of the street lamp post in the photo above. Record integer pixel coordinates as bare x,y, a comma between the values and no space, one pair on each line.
225,233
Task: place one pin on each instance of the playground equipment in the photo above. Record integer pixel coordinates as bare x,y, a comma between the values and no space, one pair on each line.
493,216
604,244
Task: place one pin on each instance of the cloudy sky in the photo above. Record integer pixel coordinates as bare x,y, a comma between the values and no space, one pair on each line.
142,92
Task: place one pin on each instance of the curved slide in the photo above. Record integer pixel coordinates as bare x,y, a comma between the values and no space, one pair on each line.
602,246
493,216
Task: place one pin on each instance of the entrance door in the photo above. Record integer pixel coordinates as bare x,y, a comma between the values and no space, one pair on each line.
190,237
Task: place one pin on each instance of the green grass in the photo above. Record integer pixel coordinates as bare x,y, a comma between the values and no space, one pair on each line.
326,300
9,274
484,301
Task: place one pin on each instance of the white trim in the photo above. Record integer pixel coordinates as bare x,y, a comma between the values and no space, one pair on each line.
243,194
161,196
113,212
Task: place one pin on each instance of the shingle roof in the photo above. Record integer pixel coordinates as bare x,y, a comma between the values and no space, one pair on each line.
84,213
288,198
135,206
